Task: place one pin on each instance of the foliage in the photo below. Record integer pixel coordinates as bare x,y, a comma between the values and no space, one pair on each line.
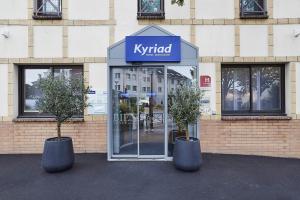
184,106
178,2
62,97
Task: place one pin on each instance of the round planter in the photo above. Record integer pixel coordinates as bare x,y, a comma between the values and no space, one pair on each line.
187,154
58,154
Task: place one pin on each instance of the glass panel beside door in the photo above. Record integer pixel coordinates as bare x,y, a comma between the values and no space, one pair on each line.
138,111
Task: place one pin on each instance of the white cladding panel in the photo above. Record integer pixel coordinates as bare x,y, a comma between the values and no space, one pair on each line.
98,76
13,9
88,9
48,41
4,90
88,41
286,8
183,31
253,40
16,45
285,42
126,12
215,40
214,9
177,12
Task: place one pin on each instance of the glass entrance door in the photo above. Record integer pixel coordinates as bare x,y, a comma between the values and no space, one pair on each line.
138,127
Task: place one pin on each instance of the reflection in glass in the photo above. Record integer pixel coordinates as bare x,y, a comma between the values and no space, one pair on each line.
266,88
68,73
179,75
235,89
150,6
31,89
252,5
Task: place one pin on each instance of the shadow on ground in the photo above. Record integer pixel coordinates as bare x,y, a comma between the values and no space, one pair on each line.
222,177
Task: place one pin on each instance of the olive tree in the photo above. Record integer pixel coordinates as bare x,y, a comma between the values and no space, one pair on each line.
62,97
184,106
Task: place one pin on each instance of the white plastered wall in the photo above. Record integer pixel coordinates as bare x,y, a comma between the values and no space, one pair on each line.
285,42
13,9
88,41
98,75
177,12
16,45
48,41
214,9
286,8
215,40
253,41
183,31
88,9
209,69
4,90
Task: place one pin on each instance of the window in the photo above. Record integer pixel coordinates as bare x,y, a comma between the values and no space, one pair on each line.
118,87
253,9
144,78
148,89
128,87
253,90
28,85
134,76
160,89
134,88
159,80
148,79
117,75
128,76
151,9
47,9
144,89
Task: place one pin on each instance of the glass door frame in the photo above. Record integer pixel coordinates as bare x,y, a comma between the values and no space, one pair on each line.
116,157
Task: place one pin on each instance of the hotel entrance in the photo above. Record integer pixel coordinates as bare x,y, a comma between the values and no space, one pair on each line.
139,126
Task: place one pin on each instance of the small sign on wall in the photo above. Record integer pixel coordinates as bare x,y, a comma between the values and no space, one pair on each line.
205,81
98,102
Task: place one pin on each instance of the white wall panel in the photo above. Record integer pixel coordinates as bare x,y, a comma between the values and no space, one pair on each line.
88,9
254,40
215,40
286,8
285,43
179,30
3,89
16,45
214,9
48,41
126,12
177,12
98,76
13,9
88,41
298,87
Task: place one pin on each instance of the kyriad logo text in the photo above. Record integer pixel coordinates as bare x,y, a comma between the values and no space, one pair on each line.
153,49
162,50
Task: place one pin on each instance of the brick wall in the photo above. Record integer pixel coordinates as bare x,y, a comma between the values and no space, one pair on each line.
29,137
279,138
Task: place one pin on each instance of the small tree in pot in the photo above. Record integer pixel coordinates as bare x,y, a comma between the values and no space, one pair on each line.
185,110
63,98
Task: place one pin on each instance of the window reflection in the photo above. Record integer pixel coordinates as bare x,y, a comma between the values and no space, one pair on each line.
150,6
31,89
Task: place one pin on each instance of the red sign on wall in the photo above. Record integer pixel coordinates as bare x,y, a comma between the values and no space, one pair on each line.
205,81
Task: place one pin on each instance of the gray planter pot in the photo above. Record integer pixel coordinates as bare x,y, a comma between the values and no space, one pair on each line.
58,155
187,154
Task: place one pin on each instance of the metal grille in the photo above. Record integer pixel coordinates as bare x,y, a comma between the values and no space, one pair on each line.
253,8
47,9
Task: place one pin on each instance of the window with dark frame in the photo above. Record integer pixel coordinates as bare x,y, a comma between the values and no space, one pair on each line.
253,90
47,9
29,91
151,9
253,9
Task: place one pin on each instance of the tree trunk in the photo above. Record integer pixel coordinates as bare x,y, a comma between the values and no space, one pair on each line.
58,130
187,134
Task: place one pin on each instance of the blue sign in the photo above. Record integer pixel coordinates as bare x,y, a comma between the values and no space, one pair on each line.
153,49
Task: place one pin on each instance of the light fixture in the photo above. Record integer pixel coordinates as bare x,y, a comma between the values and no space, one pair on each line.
5,33
296,33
